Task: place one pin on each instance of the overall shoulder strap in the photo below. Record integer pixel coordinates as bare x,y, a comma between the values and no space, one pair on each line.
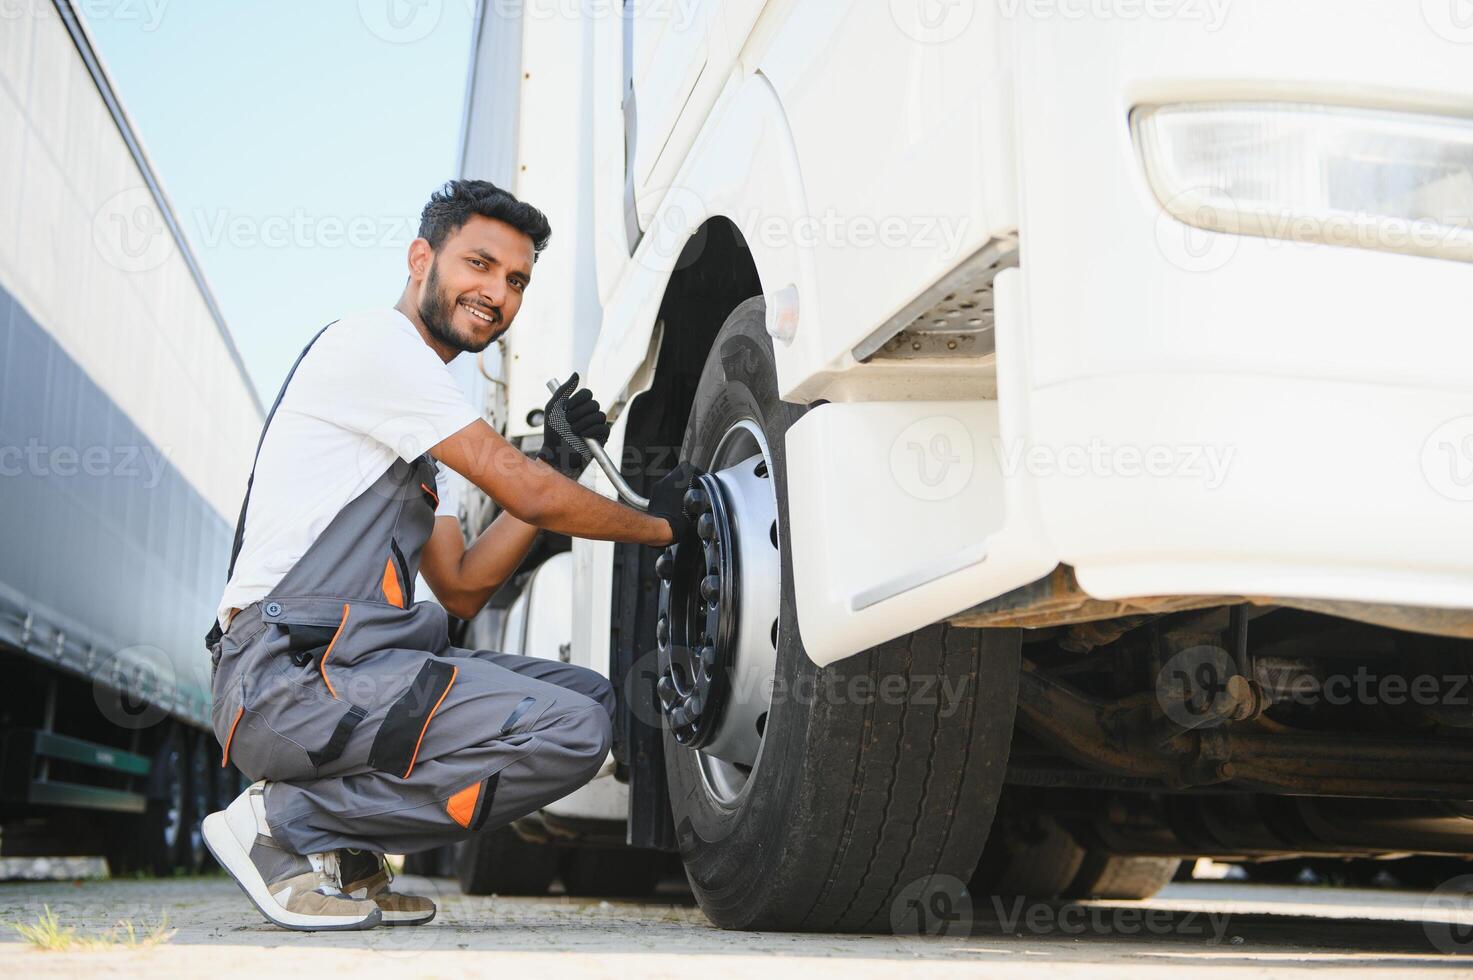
216,632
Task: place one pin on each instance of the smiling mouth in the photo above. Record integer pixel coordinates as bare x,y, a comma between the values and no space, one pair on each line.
478,314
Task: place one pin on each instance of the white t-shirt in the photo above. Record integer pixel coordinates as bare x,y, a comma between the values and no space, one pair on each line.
369,391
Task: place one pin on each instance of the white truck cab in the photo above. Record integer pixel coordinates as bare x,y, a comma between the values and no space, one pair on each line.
1030,348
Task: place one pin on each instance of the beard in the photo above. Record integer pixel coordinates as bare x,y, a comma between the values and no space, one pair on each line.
437,310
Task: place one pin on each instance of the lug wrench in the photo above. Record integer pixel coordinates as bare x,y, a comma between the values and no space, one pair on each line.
625,491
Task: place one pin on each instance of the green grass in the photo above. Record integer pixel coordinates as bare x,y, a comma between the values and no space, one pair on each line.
47,933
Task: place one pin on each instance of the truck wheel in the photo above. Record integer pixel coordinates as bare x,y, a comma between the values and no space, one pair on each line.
499,862
1114,876
152,842
804,798
1028,854
597,872
198,801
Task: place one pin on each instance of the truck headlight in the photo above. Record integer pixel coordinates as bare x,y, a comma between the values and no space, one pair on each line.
1363,178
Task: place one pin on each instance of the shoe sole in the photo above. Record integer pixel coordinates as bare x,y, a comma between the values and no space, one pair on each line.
409,918
237,863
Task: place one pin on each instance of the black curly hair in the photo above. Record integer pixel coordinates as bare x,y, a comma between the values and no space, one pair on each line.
453,205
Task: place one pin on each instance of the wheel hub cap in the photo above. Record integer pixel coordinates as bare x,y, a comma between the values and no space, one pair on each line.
719,600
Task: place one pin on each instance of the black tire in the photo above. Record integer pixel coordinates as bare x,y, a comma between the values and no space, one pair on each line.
1104,875
199,801
436,863
499,862
1027,854
153,842
850,802
601,872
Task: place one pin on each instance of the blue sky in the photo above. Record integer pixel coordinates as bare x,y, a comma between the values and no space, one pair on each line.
298,140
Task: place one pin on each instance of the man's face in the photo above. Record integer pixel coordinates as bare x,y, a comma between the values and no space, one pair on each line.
475,284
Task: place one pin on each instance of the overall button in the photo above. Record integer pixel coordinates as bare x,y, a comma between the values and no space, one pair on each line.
273,609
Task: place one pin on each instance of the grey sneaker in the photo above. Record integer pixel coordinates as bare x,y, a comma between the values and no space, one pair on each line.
294,891
367,875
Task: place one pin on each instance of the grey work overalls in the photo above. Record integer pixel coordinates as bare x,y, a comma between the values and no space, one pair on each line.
372,730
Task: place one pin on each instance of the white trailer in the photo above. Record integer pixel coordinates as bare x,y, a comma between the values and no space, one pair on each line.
1078,380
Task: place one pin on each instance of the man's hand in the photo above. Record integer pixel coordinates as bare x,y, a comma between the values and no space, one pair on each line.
667,501
568,422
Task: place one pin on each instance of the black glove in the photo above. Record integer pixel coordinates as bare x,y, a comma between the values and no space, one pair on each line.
667,500
568,421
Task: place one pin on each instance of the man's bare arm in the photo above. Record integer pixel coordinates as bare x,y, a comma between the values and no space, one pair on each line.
462,578
539,495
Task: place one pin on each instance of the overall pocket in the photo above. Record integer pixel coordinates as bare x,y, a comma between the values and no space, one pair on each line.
279,726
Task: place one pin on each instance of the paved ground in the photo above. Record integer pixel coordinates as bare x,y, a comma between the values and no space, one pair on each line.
1222,928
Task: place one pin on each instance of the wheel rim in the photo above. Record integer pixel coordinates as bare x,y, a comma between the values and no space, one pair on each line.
174,810
718,621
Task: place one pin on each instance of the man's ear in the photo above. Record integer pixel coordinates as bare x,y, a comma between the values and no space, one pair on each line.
420,257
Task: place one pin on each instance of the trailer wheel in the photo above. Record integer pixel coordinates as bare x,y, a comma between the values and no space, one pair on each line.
1104,875
199,800
152,841
822,808
1027,854
600,872
500,862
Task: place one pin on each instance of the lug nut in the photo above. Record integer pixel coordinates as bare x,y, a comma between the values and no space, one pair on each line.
662,630
665,565
695,704
708,656
666,690
711,588
695,501
706,527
